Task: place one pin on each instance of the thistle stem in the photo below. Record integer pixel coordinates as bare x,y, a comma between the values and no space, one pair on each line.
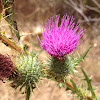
1,8
88,80
72,88
11,44
28,94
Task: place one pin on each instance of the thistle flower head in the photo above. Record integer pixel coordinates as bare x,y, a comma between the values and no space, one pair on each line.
6,66
59,40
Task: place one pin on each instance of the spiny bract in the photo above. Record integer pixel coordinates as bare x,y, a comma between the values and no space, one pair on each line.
30,71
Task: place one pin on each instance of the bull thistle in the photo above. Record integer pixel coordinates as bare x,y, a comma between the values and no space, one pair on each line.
59,41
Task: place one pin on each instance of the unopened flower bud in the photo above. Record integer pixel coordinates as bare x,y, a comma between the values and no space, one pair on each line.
6,66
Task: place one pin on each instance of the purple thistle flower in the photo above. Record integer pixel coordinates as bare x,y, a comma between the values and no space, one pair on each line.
63,39
6,66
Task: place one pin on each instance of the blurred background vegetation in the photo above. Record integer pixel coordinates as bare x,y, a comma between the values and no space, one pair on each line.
26,18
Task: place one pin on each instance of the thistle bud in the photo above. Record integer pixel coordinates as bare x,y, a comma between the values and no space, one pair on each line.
30,71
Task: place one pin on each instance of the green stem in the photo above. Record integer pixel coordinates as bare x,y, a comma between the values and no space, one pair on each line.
28,94
88,80
77,90
9,17
73,87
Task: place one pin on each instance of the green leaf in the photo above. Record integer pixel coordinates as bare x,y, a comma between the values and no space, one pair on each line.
60,84
74,85
80,58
